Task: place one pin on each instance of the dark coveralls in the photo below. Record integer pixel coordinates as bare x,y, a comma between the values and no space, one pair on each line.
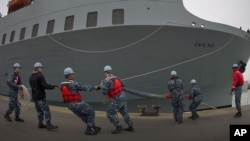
13,82
175,86
196,97
118,103
38,85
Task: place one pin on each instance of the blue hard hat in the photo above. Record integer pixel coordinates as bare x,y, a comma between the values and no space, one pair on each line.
16,65
68,70
38,65
107,68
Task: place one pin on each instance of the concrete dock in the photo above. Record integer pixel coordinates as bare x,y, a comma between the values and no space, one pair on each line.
212,125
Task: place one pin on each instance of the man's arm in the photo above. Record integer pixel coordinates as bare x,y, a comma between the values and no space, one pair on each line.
45,85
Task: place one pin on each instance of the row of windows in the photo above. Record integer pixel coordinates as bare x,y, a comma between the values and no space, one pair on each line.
117,18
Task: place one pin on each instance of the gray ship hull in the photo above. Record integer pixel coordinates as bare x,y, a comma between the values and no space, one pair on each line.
151,39
144,62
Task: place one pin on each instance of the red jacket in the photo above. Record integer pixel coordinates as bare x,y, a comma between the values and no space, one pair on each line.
238,79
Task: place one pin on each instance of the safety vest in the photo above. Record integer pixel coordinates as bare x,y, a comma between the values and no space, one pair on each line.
68,96
117,88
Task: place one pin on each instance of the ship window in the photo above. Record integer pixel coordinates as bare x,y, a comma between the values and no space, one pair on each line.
22,33
118,16
50,26
35,30
69,22
92,19
12,36
3,39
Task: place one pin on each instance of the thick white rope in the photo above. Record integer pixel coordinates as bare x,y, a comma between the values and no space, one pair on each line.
24,98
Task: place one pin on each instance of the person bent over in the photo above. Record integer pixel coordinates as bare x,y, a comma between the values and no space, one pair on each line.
196,97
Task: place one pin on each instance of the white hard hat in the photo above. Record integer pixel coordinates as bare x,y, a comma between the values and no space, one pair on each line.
173,73
107,68
16,65
68,70
38,65
193,81
235,66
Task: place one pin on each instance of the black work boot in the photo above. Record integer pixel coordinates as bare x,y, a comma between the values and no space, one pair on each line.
180,121
97,129
51,126
193,117
238,114
41,125
117,130
18,119
90,132
7,117
130,129
196,115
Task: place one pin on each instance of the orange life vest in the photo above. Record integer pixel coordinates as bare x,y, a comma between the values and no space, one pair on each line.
117,88
69,96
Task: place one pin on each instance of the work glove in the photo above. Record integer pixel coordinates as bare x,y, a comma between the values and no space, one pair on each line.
232,89
185,96
169,96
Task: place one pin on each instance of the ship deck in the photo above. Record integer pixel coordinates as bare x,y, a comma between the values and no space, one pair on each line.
212,124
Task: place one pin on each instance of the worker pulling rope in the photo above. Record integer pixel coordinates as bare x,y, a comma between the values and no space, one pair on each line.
160,96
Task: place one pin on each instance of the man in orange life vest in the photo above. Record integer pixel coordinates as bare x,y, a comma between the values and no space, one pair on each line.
238,82
70,90
113,88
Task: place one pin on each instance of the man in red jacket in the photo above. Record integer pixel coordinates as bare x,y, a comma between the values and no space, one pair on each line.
238,82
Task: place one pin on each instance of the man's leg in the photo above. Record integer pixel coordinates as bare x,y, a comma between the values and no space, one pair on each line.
238,92
10,108
45,108
40,115
111,115
124,112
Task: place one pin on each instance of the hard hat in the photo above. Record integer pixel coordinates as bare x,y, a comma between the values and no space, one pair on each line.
16,65
107,68
173,73
193,81
38,65
235,66
68,70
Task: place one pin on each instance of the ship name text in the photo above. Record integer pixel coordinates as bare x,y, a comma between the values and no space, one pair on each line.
204,45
